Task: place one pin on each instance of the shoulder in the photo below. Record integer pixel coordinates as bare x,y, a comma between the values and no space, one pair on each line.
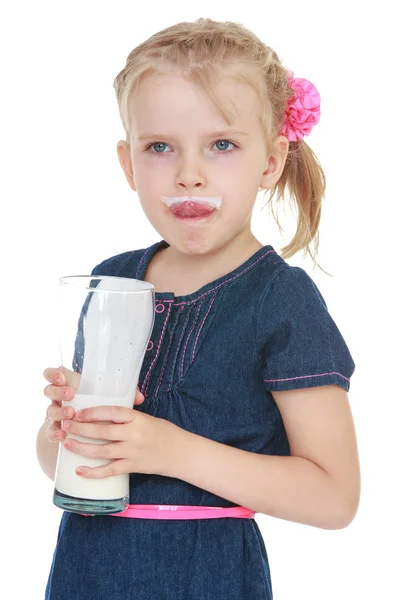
290,287
290,305
276,276
298,341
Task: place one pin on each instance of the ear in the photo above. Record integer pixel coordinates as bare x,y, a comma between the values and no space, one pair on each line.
124,156
276,163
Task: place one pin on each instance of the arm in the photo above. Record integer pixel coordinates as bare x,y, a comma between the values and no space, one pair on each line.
318,485
46,451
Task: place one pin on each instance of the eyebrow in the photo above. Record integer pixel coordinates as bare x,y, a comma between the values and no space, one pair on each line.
147,136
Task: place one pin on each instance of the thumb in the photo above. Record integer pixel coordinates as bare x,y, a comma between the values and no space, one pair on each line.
139,398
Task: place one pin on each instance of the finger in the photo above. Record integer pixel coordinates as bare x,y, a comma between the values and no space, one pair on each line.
110,450
139,398
54,433
116,467
72,378
56,412
54,375
116,414
60,393
96,431
62,376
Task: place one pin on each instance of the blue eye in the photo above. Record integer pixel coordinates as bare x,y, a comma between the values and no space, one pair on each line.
223,142
223,151
157,144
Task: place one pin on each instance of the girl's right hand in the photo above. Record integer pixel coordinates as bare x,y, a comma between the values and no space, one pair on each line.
64,384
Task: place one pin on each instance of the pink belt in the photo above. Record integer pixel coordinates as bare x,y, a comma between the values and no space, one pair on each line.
169,511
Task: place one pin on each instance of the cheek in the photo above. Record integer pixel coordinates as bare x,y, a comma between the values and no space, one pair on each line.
150,179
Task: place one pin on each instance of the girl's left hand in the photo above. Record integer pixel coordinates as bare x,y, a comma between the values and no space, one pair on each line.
139,443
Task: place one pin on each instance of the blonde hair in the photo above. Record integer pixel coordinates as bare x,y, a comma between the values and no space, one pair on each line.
200,51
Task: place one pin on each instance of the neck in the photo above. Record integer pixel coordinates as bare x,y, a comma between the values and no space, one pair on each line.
214,263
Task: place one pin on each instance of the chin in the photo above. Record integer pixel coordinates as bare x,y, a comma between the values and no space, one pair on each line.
190,245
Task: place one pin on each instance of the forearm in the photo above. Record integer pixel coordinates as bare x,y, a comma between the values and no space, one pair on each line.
286,487
46,451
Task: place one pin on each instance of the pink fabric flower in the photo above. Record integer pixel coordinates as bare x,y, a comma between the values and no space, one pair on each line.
302,111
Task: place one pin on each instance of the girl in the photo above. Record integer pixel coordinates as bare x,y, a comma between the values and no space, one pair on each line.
243,404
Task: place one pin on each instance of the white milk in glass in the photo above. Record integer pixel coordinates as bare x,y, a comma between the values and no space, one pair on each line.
112,341
67,481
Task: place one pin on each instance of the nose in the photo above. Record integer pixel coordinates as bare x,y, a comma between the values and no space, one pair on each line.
190,176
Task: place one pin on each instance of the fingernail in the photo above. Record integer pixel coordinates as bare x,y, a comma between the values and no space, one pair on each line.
67,412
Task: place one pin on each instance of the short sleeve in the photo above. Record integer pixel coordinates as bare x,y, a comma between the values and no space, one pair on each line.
299,343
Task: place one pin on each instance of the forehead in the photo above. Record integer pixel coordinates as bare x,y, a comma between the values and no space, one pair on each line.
163,101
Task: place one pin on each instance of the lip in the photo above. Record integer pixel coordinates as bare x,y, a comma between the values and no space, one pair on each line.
213,202
195,221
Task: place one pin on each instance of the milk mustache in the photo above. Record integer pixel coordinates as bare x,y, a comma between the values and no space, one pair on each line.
172,201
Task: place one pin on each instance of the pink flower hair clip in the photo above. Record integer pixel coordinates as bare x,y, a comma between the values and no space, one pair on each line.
302,110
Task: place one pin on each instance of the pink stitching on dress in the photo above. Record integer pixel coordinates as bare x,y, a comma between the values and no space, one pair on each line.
195,344
158,351
188,338
179,344
216,287
144,254
188,303
166,358
305,377
227,281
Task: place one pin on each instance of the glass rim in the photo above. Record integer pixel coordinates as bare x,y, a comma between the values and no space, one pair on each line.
69,280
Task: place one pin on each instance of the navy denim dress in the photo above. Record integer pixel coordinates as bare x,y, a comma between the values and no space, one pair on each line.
213,360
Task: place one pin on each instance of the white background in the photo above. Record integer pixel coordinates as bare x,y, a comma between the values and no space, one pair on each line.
66,206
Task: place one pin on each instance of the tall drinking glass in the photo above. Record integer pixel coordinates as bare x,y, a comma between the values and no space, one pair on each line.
103,336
